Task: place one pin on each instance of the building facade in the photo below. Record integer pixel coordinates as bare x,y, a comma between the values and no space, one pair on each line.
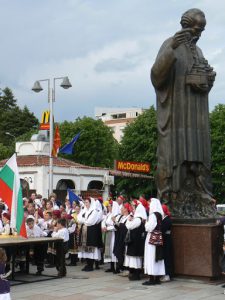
33,165
118,118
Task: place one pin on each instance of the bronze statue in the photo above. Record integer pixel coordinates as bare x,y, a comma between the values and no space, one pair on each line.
182,79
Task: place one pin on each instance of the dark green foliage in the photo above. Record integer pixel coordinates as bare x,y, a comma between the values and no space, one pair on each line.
5,152
139,144
96,145
13,120
217,120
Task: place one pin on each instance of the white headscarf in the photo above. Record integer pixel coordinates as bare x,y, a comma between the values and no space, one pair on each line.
115,209
155,206
93,204
98,205
140,212
30,217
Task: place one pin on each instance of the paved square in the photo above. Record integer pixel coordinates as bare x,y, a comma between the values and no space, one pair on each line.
96,285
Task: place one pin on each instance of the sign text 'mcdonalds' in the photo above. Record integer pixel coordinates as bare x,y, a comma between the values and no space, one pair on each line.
131,166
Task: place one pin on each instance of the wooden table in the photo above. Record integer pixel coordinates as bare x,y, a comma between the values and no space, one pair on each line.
13,242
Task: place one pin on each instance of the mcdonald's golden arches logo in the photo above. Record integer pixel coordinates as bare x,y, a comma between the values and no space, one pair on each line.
45,120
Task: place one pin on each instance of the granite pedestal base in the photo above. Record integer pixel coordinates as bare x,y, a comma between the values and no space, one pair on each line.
198,249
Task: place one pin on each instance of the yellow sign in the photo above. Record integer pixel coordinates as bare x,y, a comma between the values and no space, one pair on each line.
45,119
132,166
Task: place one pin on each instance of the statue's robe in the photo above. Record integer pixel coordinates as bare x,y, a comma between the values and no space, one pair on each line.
182,119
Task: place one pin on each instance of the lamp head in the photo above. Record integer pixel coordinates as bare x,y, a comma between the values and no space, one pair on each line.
37,87
66,83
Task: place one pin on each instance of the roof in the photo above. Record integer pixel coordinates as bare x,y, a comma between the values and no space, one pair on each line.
43,160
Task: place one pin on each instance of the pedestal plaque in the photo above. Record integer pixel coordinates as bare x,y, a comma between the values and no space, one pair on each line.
198,249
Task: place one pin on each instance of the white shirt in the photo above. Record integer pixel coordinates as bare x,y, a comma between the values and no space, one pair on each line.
88,217
1,226
44,225
6,229
61,233
35,232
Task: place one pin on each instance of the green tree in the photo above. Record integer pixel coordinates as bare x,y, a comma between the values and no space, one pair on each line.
7,101
217,117
13,119
5,152
139,144
96,146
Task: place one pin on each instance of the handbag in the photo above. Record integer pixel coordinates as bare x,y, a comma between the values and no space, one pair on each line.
156,238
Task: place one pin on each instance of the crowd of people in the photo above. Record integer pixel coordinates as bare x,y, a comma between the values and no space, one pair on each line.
131,236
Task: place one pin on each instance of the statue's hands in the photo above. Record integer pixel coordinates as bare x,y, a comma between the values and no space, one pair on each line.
181,37
202,88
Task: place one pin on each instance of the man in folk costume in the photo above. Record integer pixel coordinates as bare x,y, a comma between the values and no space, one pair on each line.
60,231
33,231
109,228
135,241
90,242
153,262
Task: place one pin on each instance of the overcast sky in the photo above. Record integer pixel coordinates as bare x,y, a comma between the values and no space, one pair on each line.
106,47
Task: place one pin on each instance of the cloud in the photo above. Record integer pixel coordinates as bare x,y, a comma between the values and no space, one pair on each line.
105,47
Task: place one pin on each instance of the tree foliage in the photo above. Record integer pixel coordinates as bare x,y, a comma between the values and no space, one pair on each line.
5,152
96,146
139,144
217,120
14,122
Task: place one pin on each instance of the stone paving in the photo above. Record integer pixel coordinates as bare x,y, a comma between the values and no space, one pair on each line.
96,285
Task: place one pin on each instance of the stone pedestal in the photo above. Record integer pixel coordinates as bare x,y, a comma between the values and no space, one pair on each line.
197,249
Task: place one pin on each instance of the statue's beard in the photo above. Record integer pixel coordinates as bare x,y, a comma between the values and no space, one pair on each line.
195,38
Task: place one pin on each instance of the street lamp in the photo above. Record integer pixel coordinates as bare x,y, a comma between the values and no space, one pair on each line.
10,134
51,98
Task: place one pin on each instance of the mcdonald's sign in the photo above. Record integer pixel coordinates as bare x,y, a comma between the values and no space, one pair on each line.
45,120
131,166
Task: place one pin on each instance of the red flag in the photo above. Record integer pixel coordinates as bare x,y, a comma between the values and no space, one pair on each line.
56,143
11,193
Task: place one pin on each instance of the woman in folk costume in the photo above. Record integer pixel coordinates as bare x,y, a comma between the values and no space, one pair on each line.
99,208
120,234
135,241
167,244
89,241
51,251
153,262
74,228
109,228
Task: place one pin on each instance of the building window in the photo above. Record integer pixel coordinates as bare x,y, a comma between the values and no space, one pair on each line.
119,116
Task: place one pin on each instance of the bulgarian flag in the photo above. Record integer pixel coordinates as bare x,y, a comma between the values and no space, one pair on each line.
11,194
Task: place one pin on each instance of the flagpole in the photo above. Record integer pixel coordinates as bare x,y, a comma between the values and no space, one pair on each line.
51,95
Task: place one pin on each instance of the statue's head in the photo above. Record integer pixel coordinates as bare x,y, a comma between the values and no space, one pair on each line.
195,19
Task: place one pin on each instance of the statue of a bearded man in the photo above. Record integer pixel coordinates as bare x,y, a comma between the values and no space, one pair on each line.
182,79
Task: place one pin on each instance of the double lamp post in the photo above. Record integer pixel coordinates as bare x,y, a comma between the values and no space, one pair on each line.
51,98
